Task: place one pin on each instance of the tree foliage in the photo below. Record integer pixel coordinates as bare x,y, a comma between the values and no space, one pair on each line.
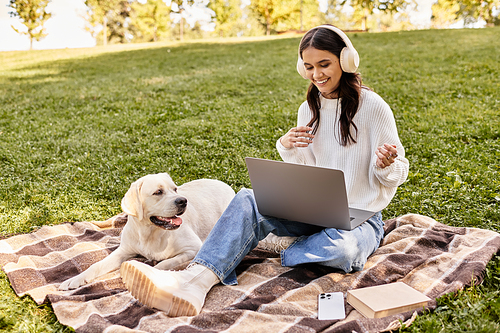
365,8
334,14
474,10
386,21
32,15
118,21
271,12
151,20
308,16
97,17
444,14
228,15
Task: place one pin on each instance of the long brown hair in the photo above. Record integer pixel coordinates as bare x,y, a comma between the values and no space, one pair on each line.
349,89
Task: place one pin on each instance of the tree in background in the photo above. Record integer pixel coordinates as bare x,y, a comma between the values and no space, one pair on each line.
334,14
271,12
228,16
151,20
181,8
97,17
472,11
391,22
250,24
365,8
307,17
118,22
362,9
32,15
444,14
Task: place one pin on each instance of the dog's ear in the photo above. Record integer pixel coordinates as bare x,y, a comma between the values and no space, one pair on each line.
167,177
131,202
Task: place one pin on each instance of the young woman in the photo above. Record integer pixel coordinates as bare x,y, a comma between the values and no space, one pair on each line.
342,125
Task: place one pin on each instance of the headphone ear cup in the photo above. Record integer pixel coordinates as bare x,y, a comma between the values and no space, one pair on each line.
301,68
349,60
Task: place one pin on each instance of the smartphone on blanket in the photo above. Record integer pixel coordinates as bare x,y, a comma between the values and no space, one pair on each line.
331,306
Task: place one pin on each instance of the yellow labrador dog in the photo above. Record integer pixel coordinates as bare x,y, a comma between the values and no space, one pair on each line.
165,223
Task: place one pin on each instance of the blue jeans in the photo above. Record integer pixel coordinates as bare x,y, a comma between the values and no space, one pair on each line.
241,227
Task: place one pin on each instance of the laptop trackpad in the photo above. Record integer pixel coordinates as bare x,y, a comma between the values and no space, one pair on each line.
358,216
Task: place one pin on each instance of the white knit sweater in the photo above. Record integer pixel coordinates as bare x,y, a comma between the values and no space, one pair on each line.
368,186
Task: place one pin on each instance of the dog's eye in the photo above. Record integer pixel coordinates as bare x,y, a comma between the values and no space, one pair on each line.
158,192
175,190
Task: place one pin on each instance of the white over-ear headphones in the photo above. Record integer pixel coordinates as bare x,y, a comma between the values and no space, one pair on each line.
349,58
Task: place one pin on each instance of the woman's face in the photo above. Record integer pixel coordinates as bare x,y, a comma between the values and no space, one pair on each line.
323,69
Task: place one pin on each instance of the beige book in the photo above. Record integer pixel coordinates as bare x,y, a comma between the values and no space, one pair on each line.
385,300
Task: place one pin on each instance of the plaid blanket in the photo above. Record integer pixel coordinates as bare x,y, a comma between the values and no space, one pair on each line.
429,256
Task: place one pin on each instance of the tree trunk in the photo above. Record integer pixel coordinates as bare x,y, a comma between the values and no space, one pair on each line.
364,23
268,22
181,29
105,31
30,34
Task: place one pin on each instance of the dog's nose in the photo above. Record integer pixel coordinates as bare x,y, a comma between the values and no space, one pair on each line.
181,202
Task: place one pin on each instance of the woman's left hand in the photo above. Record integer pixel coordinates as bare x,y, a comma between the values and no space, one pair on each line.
386,155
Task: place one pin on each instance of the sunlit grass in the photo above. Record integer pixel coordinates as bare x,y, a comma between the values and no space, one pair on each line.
77,126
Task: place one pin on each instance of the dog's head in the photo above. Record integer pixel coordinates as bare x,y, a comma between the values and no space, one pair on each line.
154,198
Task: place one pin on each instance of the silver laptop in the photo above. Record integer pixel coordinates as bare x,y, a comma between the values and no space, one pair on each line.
303,193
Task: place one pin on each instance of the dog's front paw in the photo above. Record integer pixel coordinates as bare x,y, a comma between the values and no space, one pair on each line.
72,283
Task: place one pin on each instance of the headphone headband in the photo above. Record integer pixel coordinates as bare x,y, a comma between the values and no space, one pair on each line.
349,58
339,32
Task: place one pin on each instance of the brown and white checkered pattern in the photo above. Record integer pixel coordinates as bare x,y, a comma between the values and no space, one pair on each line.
429,256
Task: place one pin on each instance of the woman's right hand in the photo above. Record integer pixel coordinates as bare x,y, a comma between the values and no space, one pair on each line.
299,136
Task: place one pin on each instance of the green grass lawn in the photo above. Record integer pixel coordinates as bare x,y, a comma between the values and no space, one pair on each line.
78,126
